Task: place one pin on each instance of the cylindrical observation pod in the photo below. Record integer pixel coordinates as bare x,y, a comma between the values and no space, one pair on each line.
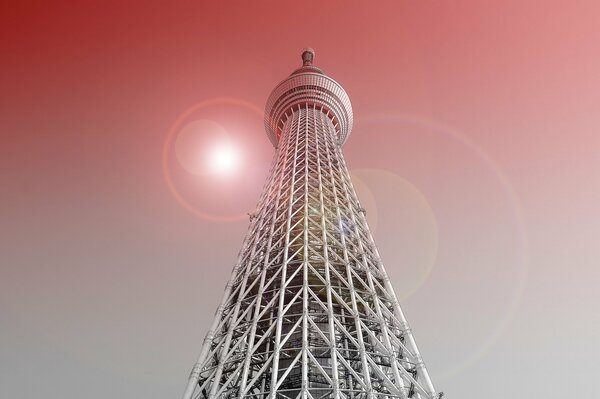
308,85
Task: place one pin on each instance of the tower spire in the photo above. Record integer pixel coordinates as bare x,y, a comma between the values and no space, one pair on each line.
309,312
308,55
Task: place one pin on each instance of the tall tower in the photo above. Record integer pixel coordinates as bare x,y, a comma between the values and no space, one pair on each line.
309,312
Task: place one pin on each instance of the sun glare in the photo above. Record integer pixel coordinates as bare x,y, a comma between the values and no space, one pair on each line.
206,148
224,159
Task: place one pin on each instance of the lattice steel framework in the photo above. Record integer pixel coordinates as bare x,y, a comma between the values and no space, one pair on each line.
309,311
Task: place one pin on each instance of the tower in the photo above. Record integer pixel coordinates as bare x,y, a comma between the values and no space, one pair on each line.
309,312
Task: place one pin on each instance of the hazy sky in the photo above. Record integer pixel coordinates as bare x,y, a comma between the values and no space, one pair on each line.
475,150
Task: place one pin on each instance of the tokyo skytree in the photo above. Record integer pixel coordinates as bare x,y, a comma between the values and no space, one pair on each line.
309,311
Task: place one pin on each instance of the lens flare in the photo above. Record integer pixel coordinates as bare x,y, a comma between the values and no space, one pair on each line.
176,145
201,148
521,250
224,159
417,242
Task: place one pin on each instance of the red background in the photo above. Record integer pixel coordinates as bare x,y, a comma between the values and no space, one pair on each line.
475,151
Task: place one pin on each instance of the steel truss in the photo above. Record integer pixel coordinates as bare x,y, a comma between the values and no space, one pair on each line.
309,311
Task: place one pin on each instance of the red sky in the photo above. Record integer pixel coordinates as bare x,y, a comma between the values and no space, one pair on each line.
475,151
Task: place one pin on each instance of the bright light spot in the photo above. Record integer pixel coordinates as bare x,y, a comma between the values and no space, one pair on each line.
224,159
205,148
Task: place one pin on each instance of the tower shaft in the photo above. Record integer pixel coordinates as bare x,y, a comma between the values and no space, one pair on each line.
309,311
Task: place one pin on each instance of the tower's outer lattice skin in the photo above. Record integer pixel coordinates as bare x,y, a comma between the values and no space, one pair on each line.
309,311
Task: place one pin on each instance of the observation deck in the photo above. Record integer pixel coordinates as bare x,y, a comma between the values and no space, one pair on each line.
308,85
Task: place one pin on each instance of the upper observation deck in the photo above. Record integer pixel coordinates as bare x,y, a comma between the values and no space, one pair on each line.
308,85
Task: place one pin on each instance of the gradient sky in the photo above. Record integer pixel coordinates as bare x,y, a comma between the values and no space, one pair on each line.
475,150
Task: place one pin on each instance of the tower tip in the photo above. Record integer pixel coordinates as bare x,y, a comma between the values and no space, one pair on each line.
308,55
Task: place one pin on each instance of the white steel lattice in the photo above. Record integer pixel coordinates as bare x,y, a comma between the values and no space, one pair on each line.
309,311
